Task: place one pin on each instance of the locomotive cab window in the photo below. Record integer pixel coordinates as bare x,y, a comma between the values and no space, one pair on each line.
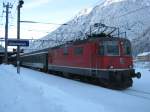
101,49
109,48
78,50
127,48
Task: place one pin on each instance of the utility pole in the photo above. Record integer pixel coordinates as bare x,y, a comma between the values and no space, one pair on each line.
20,3
7,6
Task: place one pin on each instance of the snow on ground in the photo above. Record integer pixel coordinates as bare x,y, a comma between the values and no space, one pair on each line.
33,91
144,83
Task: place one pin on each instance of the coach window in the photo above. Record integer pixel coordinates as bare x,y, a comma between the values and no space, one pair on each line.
78,51
65,51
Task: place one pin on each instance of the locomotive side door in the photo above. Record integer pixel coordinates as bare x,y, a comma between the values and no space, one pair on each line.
49,57
93,58
46,62
96,58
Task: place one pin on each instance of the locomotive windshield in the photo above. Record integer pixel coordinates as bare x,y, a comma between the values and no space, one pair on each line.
109,48
126,48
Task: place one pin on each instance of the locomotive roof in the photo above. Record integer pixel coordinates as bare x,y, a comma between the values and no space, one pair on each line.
42,51
77,42
89,39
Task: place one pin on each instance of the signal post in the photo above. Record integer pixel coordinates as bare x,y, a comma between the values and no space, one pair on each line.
20,3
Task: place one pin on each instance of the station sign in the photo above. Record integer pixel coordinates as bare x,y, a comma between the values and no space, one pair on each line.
18,42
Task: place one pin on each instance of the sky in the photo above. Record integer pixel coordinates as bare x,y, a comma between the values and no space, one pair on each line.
45,11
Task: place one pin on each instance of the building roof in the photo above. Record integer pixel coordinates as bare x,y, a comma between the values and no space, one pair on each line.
144,54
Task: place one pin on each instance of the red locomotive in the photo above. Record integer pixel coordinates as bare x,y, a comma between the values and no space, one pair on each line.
106,59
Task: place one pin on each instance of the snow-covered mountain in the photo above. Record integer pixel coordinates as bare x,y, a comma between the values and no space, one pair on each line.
131,16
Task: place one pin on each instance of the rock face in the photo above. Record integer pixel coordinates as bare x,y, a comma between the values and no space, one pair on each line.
131,16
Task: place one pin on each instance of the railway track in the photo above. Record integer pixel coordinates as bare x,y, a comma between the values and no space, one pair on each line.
137,93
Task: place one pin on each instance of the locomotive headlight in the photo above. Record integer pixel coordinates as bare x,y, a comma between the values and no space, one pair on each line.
130,66
121,43
111,67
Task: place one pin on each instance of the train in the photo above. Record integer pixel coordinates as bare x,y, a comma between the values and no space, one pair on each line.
106,60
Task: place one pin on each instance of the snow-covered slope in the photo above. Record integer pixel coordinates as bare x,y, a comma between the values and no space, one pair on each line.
131,16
